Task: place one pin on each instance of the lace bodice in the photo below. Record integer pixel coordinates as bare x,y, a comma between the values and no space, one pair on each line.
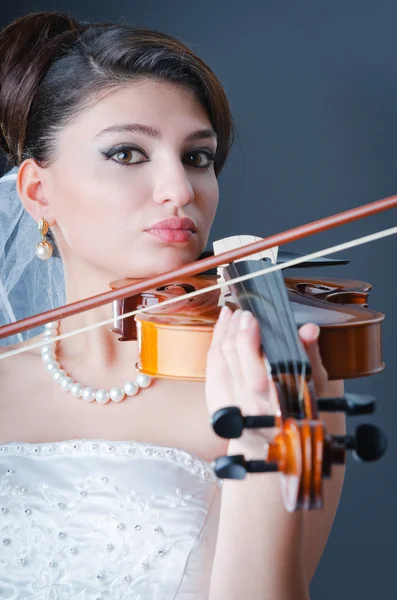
90,520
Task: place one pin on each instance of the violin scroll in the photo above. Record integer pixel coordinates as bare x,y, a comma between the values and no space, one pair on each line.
302,451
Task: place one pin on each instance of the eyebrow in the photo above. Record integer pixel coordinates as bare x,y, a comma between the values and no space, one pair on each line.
200,134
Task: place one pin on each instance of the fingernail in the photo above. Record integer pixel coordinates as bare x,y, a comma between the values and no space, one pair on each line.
246,318
310,332
316,333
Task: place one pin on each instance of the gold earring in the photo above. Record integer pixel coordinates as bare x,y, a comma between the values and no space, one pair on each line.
43,249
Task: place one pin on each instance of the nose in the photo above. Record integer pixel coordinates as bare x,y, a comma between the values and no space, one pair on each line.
173,185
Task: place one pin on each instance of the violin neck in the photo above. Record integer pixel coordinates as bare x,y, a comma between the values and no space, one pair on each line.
266,297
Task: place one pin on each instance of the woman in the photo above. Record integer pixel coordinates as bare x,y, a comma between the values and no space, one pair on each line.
119,135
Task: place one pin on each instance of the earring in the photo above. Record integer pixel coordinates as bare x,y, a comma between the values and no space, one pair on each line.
43,249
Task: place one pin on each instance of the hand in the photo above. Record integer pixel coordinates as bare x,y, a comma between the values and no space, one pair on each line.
237,374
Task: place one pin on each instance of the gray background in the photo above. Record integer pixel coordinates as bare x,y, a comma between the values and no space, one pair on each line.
313,89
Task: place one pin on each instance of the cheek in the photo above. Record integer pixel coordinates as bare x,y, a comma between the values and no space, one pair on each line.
103,196
209,193
206,204
94,214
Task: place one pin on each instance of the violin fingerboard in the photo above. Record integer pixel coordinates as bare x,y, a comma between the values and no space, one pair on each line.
266,297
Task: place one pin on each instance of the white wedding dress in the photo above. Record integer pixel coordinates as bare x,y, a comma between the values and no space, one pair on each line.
91,519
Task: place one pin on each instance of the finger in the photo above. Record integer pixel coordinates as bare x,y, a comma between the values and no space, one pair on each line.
229,347
225,338
221,326
218,384
309,334
253,366
260,396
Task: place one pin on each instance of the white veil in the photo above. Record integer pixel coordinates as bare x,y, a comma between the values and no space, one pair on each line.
28,285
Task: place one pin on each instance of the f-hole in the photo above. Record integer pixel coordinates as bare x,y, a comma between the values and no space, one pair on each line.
187,287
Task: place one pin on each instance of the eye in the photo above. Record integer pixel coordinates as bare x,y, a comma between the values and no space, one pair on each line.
200,159
126,155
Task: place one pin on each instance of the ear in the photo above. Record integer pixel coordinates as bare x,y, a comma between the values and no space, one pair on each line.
31,190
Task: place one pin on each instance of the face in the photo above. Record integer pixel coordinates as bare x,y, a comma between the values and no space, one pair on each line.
141,155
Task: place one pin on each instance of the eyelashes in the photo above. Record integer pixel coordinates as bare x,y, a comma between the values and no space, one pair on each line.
207,154
127,155
116,154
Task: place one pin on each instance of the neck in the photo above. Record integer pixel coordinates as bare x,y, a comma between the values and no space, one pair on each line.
98,348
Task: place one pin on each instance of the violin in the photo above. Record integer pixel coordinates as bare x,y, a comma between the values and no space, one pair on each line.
174,315
174,340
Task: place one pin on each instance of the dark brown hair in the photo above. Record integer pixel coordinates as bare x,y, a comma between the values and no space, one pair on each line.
52,66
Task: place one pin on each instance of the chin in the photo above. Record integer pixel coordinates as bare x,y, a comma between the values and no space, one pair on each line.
168,259
173,259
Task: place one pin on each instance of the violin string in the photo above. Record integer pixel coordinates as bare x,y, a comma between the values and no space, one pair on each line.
278,371
300,377
288,341
301,388
271,321
280,335
276,328
277,267
274,304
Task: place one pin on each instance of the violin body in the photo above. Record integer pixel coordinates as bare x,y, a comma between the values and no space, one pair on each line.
174,340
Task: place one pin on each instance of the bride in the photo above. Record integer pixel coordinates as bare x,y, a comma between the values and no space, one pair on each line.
116,136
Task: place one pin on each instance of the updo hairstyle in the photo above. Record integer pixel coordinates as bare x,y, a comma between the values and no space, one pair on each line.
52,67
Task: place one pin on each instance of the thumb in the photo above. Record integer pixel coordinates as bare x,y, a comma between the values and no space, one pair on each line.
309,334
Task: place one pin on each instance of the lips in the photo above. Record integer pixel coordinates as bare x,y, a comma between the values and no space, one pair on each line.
174,230
175,223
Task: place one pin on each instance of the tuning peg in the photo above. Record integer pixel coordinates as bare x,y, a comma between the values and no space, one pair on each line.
229,423
351,404
236,467
368,443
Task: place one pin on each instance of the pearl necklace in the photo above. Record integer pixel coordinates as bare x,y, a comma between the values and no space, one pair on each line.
89,394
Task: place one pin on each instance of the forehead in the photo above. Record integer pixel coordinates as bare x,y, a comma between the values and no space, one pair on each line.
169,107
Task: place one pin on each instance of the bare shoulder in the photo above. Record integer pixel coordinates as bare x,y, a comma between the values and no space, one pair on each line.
22,347
16,365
